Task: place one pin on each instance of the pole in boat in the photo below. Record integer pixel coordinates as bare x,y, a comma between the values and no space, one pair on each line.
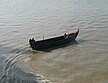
43,36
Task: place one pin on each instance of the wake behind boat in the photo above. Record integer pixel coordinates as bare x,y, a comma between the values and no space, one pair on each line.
52,42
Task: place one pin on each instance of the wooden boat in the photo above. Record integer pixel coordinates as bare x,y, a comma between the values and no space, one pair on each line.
52,42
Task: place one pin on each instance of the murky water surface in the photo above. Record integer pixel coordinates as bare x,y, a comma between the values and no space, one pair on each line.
83,62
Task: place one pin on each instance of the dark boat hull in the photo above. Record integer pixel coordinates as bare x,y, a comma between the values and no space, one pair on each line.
52,42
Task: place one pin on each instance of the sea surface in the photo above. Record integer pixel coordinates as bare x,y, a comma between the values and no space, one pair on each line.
86,61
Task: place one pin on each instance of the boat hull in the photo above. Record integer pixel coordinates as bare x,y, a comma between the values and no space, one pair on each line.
53,42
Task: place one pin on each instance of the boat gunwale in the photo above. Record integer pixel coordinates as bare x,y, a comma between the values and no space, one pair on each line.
54,38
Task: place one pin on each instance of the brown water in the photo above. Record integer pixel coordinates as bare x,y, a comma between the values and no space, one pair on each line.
84,62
